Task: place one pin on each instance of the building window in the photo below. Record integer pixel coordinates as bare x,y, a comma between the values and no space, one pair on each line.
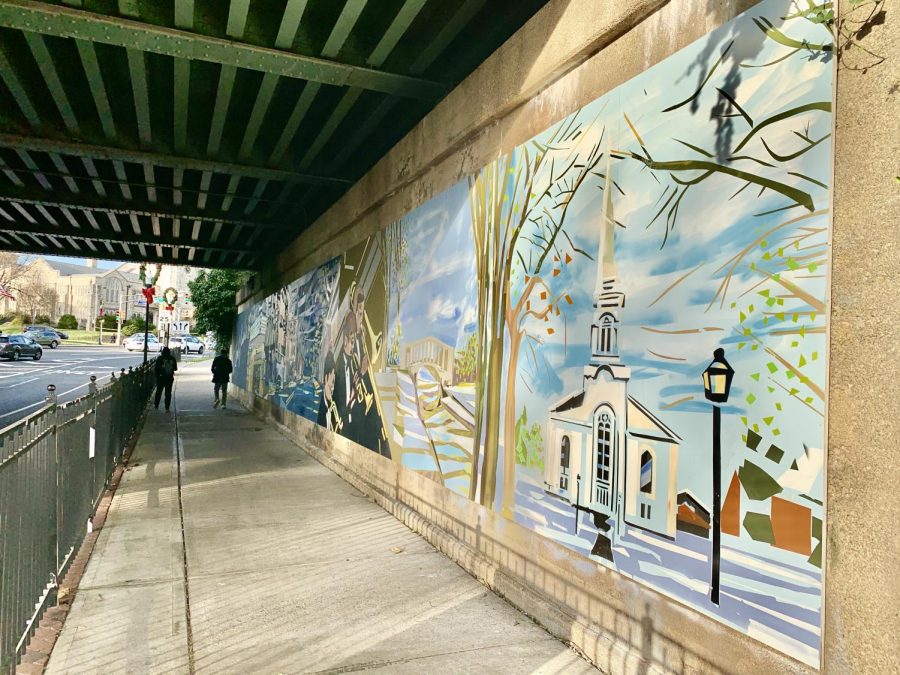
605,436
647,472
645,510
564,450
607,334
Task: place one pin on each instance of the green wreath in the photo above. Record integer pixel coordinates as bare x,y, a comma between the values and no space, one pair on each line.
170,295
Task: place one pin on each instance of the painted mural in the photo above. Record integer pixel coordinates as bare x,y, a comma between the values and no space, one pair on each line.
628,313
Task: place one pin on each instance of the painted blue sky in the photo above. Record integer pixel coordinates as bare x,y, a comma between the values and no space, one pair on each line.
440,300
711,228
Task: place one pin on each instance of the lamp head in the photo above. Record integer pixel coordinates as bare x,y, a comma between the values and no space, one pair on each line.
717,378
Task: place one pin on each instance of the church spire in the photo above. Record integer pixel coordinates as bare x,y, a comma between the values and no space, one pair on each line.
608,300
606,259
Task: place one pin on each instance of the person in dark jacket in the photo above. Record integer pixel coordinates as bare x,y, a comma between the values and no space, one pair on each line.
164,369
328,411
221,370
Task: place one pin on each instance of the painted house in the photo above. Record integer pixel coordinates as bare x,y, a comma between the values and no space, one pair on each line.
607,453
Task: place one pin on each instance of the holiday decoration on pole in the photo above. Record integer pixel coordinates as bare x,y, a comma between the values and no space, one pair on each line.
170,295
148,292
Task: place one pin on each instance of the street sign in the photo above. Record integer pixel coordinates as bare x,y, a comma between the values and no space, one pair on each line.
180,328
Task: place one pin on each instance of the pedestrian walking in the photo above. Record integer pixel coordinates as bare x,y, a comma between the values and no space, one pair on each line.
164,369
221,370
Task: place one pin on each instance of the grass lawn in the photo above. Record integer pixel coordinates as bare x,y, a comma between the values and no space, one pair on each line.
76,337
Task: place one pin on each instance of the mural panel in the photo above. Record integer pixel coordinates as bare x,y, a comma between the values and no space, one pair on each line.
628,312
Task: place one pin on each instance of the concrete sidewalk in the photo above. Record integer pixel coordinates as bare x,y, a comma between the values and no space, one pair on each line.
266,562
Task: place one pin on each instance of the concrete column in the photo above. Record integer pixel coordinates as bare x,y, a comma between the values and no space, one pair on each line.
862,582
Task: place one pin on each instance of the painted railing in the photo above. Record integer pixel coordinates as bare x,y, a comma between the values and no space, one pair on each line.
430,351
54,466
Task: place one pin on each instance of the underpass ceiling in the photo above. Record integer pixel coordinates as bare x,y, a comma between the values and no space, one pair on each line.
210,132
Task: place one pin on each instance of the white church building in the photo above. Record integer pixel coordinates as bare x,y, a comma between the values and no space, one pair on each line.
606,453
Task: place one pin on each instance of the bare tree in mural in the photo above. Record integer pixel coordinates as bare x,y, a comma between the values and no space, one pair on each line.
523,196
396,280
765,171
775,305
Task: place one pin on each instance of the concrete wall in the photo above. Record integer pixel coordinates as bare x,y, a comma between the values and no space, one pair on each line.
571,53
862,591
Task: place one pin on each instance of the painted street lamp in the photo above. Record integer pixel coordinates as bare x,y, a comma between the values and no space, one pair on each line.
717,384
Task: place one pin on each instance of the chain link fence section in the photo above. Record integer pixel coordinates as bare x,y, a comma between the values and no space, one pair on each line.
54,467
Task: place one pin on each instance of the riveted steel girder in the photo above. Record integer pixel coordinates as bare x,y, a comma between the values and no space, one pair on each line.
38,17
32,143
43,228
84,205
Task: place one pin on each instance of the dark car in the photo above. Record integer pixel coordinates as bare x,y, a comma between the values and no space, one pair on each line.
45,337
14,347
62,334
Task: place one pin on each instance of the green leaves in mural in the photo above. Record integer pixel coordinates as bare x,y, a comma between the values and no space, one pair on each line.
529,442
758,484
467,360
759,527
774,34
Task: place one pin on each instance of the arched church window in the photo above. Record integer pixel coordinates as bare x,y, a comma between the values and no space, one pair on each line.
607,334
605,431
564,459
646,479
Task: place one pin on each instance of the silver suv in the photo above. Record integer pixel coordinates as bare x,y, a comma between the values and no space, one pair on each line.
188,344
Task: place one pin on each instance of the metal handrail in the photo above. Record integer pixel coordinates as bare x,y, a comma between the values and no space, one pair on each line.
54,467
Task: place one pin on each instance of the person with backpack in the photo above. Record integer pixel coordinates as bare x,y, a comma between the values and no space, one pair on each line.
221,370
164,369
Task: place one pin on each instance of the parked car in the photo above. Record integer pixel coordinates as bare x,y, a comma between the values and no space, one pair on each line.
13,347
189,344
45,336
62,334
136,343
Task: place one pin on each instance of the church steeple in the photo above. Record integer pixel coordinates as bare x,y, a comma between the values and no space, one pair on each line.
608,300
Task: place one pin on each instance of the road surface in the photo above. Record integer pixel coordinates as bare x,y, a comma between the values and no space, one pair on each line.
23,384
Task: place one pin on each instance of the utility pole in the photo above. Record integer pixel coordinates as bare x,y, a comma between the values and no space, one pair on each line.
146,326
95,307
119,317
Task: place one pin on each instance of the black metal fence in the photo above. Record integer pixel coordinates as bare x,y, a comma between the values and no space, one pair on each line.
54,466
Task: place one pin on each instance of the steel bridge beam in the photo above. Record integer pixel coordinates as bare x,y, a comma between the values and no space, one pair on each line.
38,17
35,144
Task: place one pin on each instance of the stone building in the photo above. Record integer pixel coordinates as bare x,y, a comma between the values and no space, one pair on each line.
80,290
85,290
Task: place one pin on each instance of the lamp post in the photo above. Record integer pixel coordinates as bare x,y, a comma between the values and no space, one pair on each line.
148,298
717,384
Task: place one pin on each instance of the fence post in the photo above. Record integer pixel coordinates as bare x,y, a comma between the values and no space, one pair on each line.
57,460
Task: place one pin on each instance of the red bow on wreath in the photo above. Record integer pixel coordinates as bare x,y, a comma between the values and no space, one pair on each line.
149,292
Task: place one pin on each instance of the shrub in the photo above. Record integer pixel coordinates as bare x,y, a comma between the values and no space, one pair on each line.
67,321
43,319
135,325
108,321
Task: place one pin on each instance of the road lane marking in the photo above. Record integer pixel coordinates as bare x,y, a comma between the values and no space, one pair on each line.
17,384
43,401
